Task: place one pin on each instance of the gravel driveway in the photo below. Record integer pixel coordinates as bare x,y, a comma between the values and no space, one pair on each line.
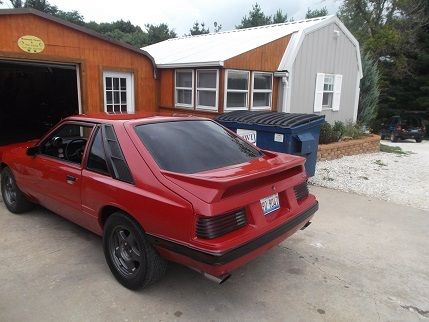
399,178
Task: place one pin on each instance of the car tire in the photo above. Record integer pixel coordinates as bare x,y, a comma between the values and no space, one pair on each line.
13,198
131,258
419,140
393,138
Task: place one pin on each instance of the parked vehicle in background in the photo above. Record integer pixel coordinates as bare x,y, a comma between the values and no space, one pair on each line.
159,188
402,128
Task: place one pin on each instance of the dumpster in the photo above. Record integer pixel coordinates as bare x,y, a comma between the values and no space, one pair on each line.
291,133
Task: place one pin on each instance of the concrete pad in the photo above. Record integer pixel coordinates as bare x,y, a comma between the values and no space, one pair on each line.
362,259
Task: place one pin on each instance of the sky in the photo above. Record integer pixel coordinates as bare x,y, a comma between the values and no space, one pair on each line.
180,15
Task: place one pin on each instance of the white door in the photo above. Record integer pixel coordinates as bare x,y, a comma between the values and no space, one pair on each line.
118,92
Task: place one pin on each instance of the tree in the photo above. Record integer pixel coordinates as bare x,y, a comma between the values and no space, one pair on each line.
316,13
217,27
256,17
157,33
44,6
279,17
199,29
369,91
395,33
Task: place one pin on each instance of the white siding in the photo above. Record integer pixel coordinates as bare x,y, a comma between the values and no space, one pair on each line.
323,52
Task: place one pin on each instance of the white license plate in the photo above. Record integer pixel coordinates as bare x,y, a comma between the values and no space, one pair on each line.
270,204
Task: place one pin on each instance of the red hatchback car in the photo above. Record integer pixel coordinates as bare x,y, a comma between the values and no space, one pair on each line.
159,188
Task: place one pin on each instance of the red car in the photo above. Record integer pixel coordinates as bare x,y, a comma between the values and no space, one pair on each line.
159,188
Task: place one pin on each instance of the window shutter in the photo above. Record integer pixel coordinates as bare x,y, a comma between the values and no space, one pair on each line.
318,94
337,92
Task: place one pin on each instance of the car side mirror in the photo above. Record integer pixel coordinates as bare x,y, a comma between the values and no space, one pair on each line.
33,150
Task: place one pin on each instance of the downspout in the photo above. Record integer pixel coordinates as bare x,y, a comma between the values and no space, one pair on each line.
283,90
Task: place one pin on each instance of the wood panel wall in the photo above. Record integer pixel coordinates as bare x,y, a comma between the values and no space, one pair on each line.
263,58
93,55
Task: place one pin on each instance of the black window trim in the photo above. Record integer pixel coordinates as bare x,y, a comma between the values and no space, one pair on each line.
97,128
109,155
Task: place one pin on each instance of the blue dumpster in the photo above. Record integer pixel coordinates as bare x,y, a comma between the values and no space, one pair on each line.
291,133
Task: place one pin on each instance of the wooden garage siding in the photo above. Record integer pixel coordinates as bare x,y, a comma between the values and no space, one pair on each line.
264,58
63,44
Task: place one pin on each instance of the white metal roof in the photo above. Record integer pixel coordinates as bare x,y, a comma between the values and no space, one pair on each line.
214,48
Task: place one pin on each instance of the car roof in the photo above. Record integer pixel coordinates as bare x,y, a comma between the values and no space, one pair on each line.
125,117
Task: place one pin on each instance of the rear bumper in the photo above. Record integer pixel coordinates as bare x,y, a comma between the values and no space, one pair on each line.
220,263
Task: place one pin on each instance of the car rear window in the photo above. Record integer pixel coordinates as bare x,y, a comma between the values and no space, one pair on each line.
411,121
192,146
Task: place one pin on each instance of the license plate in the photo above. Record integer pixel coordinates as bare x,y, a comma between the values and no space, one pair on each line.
270,204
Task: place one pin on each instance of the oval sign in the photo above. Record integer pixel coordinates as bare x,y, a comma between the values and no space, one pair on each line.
31,44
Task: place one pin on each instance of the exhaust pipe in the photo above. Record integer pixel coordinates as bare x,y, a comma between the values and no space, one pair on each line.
306,225
217,280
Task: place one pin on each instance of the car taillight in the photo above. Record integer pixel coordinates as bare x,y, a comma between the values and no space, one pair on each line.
301,191
216,226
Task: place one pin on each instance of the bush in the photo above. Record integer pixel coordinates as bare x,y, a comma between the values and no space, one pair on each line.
327,134
330,134
353,130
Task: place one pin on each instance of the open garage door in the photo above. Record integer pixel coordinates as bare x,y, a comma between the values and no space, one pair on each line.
33,97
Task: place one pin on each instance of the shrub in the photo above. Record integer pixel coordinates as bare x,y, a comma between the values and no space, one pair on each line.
327,134
330,134
353,130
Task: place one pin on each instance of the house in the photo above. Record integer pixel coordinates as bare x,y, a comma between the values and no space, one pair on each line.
306,66
50,69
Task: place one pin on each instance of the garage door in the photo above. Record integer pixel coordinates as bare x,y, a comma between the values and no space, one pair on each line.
33,97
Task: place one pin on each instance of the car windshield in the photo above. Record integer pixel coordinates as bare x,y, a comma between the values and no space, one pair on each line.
192,146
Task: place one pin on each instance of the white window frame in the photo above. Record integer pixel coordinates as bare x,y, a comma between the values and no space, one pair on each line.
257,108
129,76
225,105
176,104
208,89
332,76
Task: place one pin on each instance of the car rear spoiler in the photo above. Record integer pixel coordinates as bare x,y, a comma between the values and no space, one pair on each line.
212,186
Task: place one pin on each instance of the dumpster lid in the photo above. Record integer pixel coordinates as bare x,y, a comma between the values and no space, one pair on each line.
278,119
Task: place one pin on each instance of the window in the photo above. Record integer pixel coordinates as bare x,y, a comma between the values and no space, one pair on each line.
328,92
97,156
237,90
193,146
118,92
207,85
67,142
184,95
262,91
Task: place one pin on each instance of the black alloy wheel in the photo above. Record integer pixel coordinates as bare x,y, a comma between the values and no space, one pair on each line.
125,252
13,198
131,258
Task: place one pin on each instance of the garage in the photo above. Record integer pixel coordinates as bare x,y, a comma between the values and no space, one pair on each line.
35,96
51,68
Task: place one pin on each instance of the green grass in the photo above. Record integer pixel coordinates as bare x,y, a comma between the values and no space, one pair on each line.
392,149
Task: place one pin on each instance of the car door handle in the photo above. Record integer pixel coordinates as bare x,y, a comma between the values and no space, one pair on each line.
70,179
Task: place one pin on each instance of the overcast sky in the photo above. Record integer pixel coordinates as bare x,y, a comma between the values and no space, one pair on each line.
180,15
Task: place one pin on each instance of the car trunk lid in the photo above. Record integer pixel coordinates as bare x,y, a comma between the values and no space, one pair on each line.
215,185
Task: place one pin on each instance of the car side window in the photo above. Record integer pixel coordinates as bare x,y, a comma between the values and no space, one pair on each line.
97,156
67,142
